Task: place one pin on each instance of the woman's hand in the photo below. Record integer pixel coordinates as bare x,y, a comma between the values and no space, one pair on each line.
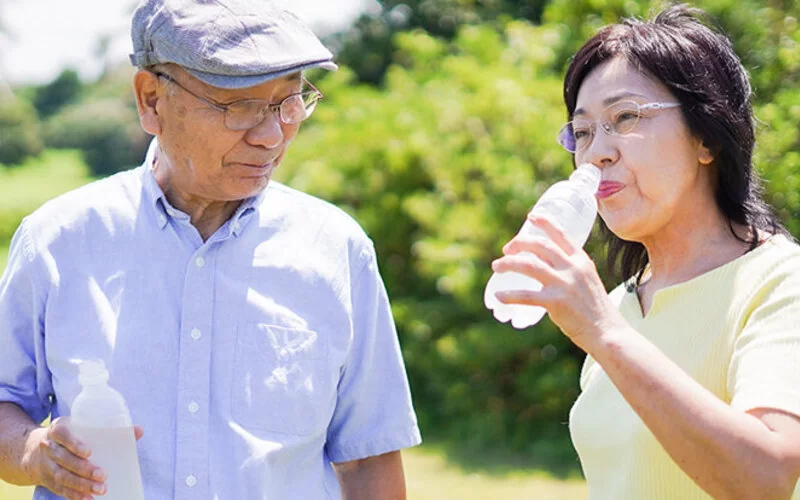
572,291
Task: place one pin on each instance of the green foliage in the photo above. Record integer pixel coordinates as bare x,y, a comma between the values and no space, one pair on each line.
369,46
107,131
778,154
441,167
24,187
19,131
764,34
62,91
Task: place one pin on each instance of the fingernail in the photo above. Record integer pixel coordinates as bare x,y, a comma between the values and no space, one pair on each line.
98,475
98,488
83,451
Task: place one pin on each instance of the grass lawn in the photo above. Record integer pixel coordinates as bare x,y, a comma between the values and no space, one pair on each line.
38,179
430,477
25,187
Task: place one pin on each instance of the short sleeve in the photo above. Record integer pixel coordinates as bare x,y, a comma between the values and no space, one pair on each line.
374,413
765,366
24,377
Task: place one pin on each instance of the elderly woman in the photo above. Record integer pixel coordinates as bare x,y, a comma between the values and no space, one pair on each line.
691,386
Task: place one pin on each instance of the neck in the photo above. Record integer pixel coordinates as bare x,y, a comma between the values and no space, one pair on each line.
207,216
690,246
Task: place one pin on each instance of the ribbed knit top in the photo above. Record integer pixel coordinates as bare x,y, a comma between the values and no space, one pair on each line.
734,329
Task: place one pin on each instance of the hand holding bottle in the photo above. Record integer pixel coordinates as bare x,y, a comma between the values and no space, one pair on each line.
571,205
573,293
57,460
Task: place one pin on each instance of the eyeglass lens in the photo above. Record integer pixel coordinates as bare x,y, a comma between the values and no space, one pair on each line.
294,109
618,119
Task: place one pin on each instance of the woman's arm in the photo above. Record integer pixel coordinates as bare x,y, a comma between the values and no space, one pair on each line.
728,453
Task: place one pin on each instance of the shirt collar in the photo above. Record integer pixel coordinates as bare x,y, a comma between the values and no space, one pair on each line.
162,209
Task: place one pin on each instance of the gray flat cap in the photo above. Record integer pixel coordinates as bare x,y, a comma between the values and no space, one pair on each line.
226,43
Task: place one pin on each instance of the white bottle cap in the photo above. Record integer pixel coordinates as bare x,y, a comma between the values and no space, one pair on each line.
92,372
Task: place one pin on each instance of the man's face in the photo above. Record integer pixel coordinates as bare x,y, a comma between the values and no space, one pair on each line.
206,161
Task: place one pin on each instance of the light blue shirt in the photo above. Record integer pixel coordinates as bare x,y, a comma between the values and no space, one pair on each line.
251,360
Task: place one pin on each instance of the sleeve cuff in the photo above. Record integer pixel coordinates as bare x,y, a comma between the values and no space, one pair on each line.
37,413
767,398
356,451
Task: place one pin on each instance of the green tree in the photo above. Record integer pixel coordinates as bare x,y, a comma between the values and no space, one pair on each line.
63,90
440,167
368,47
19,130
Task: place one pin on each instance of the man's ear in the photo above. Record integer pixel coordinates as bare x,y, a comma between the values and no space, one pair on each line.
145,89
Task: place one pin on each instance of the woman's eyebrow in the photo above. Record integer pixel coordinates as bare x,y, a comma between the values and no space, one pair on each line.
612,99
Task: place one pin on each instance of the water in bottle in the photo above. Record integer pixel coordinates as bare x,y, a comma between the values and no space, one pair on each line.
100,418
570,205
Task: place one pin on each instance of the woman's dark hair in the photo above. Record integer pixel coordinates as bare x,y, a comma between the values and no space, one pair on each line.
700,68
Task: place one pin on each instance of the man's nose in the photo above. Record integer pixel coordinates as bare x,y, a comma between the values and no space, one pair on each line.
268,133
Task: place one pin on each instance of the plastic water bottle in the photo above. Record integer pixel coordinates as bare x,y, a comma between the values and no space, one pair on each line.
569,204
100,418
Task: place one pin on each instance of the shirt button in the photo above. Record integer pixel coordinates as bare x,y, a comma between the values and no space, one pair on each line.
191,481
200,262
194,407
162,220
196,334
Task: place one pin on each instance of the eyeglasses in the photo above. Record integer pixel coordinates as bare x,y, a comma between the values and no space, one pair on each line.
247,113
620,118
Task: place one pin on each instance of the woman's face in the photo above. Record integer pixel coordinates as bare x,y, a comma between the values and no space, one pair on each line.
654,176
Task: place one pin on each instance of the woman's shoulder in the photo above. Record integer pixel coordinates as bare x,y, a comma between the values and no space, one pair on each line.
772,272
777,253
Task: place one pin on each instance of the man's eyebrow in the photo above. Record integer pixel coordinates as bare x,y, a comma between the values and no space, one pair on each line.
611,100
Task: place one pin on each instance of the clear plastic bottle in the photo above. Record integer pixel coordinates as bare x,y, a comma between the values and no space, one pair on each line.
100,418
571,205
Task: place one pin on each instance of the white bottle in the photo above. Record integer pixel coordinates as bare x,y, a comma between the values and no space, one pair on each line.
100,418
569,204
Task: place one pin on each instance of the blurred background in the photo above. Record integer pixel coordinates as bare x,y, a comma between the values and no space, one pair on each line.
437,135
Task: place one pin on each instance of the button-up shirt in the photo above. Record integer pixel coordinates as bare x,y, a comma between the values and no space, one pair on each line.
252,360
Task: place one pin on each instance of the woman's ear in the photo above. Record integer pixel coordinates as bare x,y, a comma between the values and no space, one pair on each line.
145,88
704,154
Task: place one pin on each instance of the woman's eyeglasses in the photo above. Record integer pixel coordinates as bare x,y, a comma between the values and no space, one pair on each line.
619,118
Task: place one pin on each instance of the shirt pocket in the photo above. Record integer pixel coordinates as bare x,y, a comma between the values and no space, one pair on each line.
279,380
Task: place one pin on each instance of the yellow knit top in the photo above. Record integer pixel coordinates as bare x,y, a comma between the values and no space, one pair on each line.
734,329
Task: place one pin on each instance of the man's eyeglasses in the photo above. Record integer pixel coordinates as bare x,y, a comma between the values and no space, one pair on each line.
620,118
247,113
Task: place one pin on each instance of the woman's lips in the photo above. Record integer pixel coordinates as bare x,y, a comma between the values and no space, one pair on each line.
608,188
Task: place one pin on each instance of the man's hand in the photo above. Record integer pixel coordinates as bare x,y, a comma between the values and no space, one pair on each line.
56,459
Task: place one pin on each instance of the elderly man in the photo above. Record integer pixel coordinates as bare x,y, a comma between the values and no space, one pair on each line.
245,323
